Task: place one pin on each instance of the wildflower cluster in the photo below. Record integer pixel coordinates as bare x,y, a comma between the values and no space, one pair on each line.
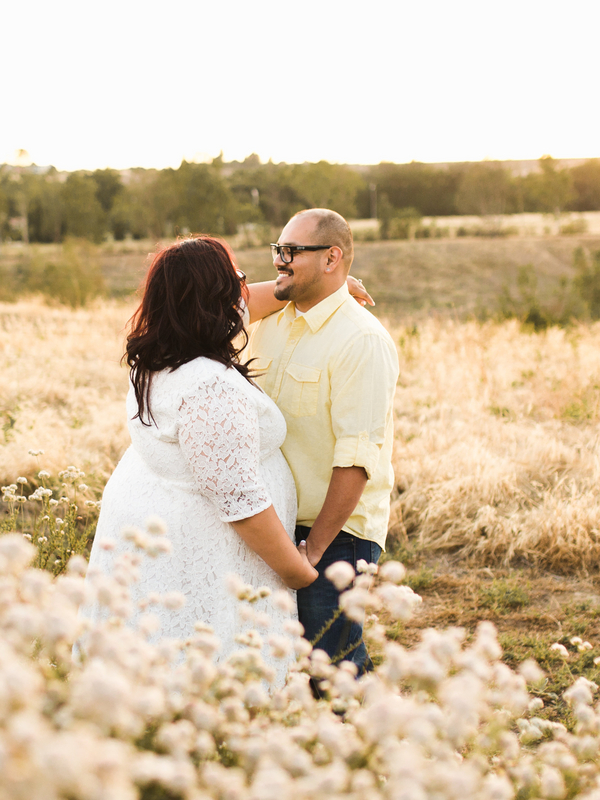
150,717
59,521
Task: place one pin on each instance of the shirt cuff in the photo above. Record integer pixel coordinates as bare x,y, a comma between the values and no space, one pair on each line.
356,451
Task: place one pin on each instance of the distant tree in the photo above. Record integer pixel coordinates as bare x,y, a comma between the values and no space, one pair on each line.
586,186
4,201
46,208
429,190
83,216
205,203
325,185
550,190
146,206
108,187
484,190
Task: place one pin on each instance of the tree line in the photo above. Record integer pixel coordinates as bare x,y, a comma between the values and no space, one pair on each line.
219,197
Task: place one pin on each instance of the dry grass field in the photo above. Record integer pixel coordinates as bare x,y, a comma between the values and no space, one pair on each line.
62,388
497,453
496,511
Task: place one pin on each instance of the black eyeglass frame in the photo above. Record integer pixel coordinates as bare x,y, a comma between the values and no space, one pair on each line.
276,249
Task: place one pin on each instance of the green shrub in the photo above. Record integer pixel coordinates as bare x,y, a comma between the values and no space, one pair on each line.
73,279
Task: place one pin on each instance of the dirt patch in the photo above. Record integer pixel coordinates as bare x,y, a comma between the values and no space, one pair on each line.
530,609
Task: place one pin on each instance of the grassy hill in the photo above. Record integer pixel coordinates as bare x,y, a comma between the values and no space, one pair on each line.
456,276
408,279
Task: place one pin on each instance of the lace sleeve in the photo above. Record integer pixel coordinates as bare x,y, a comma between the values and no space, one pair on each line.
219,438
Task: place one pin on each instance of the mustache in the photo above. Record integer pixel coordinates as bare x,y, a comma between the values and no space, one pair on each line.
284,271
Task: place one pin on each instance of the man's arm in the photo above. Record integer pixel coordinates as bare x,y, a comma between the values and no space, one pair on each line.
363,383
345,489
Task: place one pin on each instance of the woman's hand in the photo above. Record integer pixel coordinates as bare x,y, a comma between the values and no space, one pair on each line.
311,573
265,534
358,291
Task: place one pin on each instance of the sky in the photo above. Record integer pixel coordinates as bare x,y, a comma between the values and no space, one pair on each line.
146,84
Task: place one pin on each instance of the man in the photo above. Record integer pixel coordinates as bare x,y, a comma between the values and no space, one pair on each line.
332,368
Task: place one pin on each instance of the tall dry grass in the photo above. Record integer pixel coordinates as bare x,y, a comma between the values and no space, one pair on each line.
497,454
497,451
62,388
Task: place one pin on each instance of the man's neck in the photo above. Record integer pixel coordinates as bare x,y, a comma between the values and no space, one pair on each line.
306,305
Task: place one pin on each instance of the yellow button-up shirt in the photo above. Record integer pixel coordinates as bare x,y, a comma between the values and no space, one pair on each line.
333,371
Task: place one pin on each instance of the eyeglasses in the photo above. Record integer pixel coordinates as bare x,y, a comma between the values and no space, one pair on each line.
286,251
241,275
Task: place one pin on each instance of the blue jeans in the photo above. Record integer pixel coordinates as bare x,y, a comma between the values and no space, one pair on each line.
318,602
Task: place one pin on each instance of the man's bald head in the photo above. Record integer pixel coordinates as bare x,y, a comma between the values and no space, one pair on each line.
331,229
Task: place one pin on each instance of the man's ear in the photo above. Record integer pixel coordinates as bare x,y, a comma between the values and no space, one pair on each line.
334,258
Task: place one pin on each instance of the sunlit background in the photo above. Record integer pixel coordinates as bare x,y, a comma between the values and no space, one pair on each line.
128,83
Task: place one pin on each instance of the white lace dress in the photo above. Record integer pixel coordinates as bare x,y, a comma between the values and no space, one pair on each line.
212,458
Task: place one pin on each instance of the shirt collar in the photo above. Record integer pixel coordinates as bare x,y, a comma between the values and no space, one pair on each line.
318,315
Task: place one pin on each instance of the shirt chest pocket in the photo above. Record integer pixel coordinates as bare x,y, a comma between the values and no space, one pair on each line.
300,390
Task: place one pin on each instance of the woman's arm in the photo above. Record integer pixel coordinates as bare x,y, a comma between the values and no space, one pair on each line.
262,301
219,439
265,534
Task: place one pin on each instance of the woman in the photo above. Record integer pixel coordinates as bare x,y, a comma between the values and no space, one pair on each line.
205,447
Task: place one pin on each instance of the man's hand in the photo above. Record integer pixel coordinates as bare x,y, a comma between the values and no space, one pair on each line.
345,489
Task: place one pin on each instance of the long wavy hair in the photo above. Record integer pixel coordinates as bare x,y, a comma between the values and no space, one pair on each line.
190,307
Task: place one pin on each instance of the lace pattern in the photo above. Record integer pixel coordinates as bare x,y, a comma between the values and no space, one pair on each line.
212,456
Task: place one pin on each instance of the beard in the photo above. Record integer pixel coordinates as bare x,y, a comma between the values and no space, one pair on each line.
285,292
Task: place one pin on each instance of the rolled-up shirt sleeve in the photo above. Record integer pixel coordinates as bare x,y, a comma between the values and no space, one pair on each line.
219,438
363,382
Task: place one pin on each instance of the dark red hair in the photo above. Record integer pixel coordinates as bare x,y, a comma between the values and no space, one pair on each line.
190,308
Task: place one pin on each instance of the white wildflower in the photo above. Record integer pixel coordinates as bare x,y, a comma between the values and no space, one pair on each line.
156,526
250,638
77,566
280,646
15,553
580,692
36,452
255,696
108,544
293,627
400,601
341,574
532,673
43,474
552,783
560,649
392,571
22,481
283,601
262,619
365,567
173,601
354,603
